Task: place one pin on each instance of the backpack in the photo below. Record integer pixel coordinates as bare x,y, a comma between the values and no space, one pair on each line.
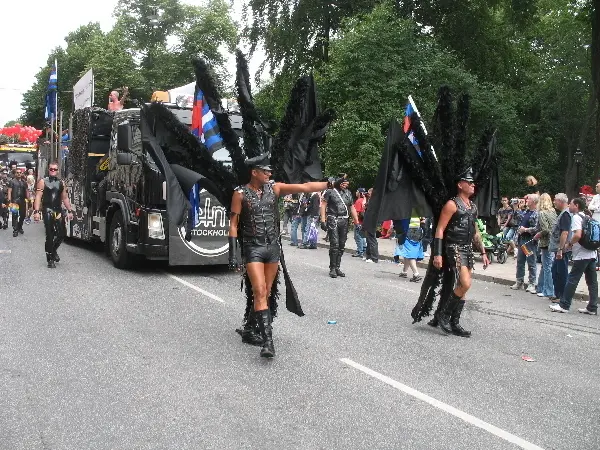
590,234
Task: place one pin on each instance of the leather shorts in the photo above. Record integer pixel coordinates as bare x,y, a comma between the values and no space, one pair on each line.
266,254
458,256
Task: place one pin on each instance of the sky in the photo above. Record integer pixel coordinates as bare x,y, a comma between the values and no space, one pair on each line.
26,43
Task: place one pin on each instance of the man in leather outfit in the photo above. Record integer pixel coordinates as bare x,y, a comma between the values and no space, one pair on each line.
254,219
4,199
50,194
455,235
17,193
336,207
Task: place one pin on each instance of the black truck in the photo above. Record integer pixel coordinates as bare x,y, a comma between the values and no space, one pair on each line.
119,195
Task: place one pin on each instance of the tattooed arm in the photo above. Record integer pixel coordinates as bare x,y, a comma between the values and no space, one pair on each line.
478,243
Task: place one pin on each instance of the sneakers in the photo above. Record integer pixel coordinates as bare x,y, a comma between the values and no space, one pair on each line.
541,295
587,311
558,308
531,289
403,275
518,285
416,278
357,255
369,260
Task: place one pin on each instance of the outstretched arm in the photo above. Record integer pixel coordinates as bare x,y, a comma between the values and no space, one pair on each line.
282,189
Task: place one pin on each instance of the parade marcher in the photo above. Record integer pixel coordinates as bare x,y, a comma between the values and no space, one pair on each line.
30,197
51,193
245,189
253,214
336,208
4,199
416,180
455,235
17,193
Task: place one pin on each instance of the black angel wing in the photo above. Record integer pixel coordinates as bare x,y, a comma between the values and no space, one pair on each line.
295,156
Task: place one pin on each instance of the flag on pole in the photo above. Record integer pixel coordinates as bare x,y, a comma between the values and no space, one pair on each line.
204,123
52,93
407,123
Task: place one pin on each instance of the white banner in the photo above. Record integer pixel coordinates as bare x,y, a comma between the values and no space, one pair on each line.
83,91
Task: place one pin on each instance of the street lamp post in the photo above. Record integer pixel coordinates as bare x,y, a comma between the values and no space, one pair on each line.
578,159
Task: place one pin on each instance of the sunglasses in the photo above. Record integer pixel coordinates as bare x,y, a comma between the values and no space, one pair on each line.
51,169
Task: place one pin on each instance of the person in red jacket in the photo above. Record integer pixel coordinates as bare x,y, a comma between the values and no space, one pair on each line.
359,205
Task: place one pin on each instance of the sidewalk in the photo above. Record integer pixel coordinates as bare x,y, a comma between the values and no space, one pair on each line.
495,273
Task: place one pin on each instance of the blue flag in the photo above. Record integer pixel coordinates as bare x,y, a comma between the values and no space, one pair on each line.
204,123
52,93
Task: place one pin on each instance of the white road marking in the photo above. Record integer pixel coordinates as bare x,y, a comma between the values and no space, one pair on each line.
196,288
444,407
5,252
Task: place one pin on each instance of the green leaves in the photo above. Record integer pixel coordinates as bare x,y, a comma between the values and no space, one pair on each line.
142,52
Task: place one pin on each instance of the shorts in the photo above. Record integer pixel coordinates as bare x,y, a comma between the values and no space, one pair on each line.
458,256
266,254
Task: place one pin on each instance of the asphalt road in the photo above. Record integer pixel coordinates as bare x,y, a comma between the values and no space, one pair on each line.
92,357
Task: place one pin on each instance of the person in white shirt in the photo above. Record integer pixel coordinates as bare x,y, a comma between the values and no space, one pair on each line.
584,262
594,205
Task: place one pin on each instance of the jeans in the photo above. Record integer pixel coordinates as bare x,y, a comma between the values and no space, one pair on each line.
306,228
531,263
19,217
287,218
296,222
560,272
581,267
372,250
361,242
545,283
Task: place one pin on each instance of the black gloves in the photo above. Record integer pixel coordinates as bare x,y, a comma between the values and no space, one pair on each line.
324,226
233,252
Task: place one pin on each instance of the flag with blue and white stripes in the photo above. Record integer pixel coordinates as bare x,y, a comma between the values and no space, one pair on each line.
52,93
204,123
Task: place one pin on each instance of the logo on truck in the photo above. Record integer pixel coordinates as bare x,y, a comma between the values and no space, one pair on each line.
209,237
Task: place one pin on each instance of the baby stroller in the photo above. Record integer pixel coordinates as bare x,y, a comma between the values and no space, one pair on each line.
494,245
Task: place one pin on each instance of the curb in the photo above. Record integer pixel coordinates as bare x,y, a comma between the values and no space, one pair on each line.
475,275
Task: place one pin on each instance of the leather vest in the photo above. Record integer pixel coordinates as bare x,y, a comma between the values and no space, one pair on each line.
461,228
52,195
338,205
258,216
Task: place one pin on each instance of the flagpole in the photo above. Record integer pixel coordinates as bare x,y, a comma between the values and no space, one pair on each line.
412,103
56,112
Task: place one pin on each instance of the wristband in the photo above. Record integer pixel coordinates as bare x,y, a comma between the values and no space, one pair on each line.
437,246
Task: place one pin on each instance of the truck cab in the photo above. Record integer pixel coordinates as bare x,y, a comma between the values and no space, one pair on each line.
120,197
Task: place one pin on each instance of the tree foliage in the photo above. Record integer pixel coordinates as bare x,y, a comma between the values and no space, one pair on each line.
525,63
136,53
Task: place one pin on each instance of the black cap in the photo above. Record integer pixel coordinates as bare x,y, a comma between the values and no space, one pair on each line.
262,162
467,175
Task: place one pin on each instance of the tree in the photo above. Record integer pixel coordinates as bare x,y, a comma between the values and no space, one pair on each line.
10,123
367,95
135,53
296,35
179,32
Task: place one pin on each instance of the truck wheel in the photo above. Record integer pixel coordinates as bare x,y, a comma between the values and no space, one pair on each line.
121,258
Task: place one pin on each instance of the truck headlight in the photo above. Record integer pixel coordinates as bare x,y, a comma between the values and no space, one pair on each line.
155,226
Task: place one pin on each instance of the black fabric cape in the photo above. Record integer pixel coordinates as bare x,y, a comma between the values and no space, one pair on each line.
178,206
395,195
488,192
